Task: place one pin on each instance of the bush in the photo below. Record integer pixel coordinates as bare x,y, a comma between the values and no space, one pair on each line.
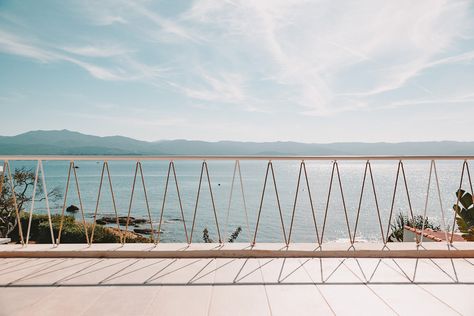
464,209
72,232
401,221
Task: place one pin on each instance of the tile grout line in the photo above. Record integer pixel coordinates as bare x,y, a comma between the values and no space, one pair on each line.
418,285
371,290
317,288
265,288
438,299
212,290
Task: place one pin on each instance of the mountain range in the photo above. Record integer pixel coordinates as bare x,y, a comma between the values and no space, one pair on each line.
65,142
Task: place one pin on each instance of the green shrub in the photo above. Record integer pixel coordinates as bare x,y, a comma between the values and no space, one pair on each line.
465,214
401,221
72,232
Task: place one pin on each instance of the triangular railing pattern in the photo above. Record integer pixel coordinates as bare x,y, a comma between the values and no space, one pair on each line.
335,169
72,167
303,183
171,167
105,167
39,168
238,172
368,168
400,170
204,167
138,167
269,168
303,169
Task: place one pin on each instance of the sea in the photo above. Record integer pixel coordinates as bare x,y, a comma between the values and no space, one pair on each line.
242,209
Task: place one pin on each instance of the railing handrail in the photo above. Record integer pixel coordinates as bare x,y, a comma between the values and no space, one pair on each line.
229,157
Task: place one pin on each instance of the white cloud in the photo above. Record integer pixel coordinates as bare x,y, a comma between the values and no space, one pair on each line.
222,87
12,44
125,69
313,46
133,120
312,57
97,50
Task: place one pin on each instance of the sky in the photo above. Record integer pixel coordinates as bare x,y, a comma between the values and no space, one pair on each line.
310,71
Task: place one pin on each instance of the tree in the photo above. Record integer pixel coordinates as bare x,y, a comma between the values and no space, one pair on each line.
23,181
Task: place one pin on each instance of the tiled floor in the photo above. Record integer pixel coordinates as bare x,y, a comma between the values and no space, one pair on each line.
236,286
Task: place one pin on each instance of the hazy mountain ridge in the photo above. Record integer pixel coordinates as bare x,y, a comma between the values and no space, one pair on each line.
66,142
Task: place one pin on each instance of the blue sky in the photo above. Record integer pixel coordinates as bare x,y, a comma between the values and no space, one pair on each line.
310,71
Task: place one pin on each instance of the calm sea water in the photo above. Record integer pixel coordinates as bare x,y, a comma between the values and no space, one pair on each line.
253,174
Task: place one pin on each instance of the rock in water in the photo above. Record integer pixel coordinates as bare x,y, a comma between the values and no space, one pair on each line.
72,209
146,231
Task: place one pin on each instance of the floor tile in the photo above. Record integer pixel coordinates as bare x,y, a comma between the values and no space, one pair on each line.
297,300
180,300
410,299
239,299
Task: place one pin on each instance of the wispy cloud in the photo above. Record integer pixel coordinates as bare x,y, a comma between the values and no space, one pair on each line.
133,121
222,87
97,50
390,43
12,44
126,69
315,58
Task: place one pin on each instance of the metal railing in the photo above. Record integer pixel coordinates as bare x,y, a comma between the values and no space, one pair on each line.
303,184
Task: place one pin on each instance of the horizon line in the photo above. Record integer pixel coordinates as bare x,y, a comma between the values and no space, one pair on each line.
240,141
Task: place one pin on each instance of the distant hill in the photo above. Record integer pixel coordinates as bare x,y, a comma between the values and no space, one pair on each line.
66,142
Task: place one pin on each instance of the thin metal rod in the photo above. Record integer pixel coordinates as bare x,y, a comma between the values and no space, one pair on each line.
197,203
230,199
164,202
45,190
278,202
328,200
33,196
443,216
376,203
213,203
295,201
99,191
311,203
180,201
409,200
261,204
113,200
130,205
6,167
243,199
58,241
426,203
81,206
343,200
147,203
360,202
393,200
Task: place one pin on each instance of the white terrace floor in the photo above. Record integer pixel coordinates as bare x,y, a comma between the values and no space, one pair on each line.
219,286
